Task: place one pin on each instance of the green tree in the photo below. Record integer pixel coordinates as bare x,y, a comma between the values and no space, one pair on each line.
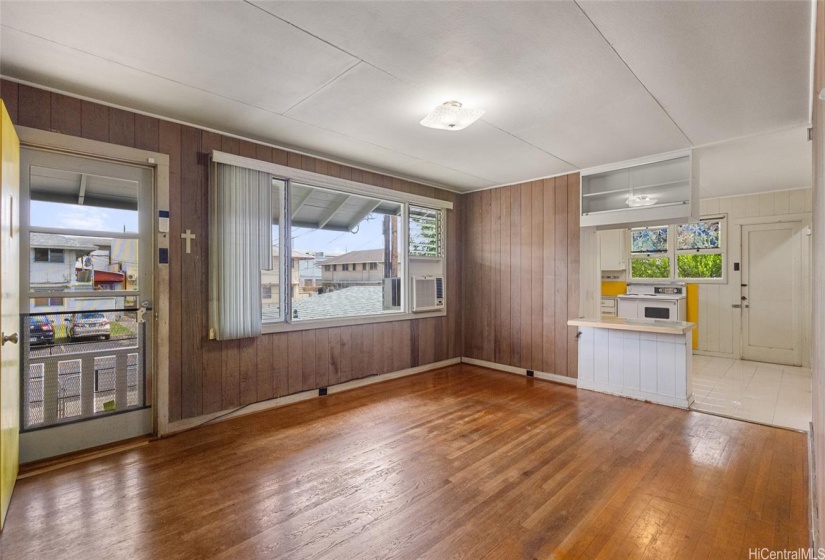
650,268
699,266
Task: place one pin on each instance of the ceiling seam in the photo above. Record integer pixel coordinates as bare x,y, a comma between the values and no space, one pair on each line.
388,149
136,69
340,160
662,107
255,106
325,41
520,139
322,86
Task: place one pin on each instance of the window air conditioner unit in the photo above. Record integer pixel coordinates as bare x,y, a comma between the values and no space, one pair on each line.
427,293
392,293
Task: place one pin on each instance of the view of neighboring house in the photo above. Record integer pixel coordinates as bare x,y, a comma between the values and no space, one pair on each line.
310,270
270,279
356,268
63,263
52,260
115,264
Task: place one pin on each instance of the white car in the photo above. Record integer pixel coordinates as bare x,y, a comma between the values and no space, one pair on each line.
89,325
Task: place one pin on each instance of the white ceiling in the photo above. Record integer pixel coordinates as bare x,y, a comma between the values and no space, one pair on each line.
765,162
565,85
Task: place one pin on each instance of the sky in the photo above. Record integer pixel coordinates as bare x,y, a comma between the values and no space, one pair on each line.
370,234
74,216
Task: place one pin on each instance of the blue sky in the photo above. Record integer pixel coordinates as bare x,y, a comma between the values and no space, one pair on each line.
370,234
90,218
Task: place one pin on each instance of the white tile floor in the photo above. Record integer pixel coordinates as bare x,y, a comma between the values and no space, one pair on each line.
767,393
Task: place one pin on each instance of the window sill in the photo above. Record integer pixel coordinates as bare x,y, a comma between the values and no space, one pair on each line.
269,328
677,281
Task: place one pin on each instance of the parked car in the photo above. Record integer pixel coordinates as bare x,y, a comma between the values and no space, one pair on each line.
41,331
89,325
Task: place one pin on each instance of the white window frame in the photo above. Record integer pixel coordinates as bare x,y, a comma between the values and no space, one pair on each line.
668,254
673,253
722,250
309,178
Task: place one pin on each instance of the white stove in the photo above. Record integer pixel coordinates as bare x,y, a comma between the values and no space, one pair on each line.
654,301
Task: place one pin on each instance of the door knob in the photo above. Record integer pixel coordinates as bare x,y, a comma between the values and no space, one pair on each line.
10,338
744,298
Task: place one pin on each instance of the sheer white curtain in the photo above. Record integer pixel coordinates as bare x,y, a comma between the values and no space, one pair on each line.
240,246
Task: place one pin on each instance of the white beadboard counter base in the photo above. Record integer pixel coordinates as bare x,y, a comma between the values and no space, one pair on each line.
624,358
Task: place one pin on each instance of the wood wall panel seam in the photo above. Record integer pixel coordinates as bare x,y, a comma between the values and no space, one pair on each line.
521,275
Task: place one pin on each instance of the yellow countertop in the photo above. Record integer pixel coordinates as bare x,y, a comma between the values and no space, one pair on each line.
658,326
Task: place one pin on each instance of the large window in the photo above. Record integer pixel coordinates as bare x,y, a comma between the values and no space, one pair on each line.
343,252
360,236
680,252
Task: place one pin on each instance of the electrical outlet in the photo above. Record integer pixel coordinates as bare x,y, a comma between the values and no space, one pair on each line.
322,391
530,373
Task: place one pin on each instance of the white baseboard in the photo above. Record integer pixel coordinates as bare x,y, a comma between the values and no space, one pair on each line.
634,394
190,423
710,354
521,371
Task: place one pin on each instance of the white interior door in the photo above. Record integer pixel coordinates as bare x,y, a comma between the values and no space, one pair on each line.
771,293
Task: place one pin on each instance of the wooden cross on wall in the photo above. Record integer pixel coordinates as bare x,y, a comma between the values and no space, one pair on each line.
189,237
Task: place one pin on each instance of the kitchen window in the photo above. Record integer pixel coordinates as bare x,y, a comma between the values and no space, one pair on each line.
694,251
699,253
649,254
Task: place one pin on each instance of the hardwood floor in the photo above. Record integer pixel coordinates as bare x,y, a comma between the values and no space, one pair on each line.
460,462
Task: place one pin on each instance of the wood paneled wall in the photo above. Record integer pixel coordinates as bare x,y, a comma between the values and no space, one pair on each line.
521,275
209,376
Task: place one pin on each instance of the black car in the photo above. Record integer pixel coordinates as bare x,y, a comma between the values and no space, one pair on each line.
40,331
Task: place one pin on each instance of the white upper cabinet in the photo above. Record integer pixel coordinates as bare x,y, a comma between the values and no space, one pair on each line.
651,192
612,251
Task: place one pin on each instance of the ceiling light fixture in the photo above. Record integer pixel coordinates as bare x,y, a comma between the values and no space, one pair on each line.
451,116
635,201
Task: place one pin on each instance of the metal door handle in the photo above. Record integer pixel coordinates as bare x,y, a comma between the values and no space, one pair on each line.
744,298
10,338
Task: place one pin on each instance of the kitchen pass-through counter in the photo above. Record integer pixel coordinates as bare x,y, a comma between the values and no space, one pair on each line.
647,359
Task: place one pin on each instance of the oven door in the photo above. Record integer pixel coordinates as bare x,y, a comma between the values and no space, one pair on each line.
658,309
628,308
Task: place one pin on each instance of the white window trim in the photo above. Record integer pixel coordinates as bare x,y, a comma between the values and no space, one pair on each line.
672,254
290,175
